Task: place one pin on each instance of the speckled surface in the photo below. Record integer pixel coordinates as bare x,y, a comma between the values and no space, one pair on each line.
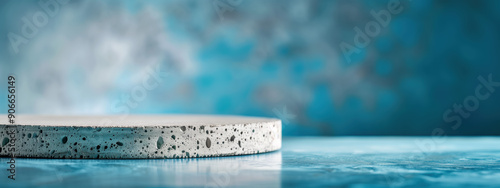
116,137
302,162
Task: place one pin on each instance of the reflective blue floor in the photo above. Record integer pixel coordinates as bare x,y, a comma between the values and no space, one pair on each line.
302,162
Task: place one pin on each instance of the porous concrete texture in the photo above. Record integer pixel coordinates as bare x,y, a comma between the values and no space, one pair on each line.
138,136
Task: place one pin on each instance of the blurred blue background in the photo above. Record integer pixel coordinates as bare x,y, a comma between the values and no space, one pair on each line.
279,58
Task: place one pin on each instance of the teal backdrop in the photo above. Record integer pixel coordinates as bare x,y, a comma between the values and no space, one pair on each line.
323,67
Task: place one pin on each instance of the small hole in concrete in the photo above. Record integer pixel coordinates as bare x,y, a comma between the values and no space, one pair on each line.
159,143
208,143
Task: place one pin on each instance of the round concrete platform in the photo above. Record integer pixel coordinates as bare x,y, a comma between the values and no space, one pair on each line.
138,136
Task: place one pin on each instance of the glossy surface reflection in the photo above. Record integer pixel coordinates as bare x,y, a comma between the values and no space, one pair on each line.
313,162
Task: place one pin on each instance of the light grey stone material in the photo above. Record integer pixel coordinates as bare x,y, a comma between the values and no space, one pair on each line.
139,136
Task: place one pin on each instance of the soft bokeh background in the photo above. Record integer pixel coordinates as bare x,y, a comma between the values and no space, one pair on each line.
260,58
